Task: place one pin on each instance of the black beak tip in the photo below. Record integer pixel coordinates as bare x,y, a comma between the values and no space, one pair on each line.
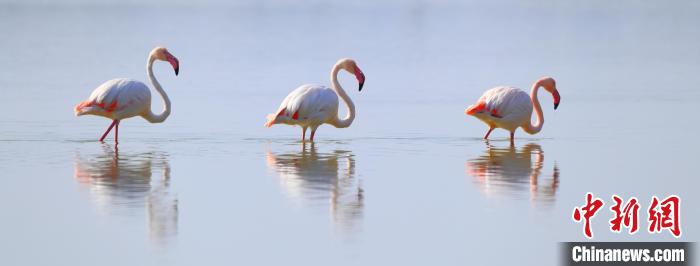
361,84
177,70
556,105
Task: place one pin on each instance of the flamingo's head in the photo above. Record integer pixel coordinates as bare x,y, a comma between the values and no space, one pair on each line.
550,85
162,54
349,65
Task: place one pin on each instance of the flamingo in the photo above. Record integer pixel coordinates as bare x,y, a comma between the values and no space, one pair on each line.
122,98
311,105
510,108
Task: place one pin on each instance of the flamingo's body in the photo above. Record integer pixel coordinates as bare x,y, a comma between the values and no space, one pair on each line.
119,99
310,106
510,108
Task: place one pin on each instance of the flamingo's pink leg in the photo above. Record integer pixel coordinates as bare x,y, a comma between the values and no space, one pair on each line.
488,133
303,134
116,131
108,129
313,132
512,137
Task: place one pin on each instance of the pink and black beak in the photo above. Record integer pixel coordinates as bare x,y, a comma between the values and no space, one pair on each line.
174,62
360,77
557,98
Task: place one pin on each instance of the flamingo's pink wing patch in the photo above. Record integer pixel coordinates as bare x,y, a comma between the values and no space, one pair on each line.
112,106
494,113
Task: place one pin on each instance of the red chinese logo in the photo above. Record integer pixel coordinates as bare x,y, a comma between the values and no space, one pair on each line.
627,216
665,215
589,211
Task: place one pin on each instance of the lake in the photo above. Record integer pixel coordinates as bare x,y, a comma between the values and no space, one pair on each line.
411,182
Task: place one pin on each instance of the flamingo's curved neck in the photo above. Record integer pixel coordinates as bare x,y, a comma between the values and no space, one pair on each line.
342,122
150,116
534,128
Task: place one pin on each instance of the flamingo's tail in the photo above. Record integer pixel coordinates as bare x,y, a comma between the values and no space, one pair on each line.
83,108
271,119
473,109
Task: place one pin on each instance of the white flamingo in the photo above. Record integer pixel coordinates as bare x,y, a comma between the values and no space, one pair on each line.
510,108
313,105
118,99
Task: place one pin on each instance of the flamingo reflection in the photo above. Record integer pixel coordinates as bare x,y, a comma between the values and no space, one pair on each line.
124,185
319,178
510,171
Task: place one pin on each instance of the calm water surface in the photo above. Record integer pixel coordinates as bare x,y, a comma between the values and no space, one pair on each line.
409,183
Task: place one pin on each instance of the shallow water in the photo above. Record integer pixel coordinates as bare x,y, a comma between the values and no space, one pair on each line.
410,182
